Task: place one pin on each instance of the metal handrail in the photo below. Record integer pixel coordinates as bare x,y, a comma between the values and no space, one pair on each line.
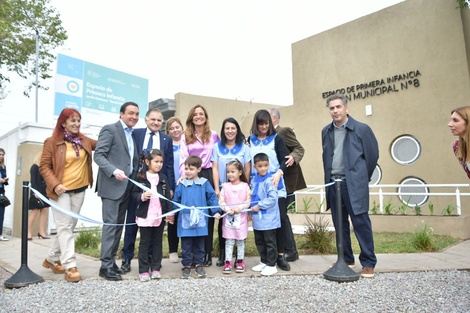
312,190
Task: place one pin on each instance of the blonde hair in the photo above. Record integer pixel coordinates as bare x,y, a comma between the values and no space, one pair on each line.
190,128
462,152
170,121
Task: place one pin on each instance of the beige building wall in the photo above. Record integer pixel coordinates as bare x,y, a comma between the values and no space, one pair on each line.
425,36
409,63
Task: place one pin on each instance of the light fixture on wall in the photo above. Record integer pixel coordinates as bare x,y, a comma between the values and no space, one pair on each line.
368,109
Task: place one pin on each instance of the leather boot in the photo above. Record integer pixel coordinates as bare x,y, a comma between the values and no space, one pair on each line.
207,260
126,266
282,263
220,262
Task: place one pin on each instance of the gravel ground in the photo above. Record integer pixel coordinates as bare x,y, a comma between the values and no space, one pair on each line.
436,291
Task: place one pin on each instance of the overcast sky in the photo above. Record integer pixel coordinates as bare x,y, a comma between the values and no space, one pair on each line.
228,49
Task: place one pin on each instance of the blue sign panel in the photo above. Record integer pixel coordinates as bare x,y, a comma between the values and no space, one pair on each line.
96,91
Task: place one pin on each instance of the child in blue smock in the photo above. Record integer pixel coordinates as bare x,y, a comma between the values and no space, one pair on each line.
265,215
197,193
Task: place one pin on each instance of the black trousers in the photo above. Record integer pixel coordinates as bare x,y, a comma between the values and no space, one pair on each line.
152,235
265,241
285,236
173,240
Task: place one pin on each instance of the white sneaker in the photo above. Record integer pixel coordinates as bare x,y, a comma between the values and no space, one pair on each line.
174,257
269,270
3,238
259,267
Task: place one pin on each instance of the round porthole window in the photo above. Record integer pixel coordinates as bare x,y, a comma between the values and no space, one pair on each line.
413,188
405,150
376,176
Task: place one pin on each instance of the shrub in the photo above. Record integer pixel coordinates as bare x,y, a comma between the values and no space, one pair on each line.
448,210
388,207
291,208
88,239
375,208
307,204
431,208
417,209
319,239
422,239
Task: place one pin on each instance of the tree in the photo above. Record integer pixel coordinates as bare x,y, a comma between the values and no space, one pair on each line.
20,22
463,4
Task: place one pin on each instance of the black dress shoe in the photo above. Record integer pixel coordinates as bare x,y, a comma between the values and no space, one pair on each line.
291,257
110,274
282,263
126,266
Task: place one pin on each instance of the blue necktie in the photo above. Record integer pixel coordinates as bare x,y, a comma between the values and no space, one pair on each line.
150,143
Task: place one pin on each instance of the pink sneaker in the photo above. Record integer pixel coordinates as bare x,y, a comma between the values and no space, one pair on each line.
144,277
156,275
227,267
240,266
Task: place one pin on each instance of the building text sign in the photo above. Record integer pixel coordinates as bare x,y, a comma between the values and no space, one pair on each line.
379,87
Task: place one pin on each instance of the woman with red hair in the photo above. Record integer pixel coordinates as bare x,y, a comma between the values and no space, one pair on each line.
65,165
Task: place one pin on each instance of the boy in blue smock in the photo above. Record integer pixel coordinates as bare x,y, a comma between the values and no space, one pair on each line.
265,215
195,192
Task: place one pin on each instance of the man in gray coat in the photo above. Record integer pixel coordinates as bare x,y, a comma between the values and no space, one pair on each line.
350,153
117,159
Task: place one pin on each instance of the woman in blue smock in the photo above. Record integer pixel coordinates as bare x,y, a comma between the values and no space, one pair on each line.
231,146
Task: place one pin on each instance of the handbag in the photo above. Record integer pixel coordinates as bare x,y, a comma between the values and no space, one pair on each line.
4,201
36,203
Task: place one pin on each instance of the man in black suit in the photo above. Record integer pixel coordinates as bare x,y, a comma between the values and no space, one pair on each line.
117,159
146,139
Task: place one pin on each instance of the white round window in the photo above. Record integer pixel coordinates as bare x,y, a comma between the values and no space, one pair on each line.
413,187
376,176
405,150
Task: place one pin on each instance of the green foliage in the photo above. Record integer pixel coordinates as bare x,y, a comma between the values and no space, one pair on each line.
403,209
375,208
307,202
319,239
291,208
448,210
19,21
388,207
88,241
383,242
463,4
417,209
431,208
422,239
319,205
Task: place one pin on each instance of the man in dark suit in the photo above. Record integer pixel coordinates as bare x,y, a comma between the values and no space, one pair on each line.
350,155
117,159
293,176
146,139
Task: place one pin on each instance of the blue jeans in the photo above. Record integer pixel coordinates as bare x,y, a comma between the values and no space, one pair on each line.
192,250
